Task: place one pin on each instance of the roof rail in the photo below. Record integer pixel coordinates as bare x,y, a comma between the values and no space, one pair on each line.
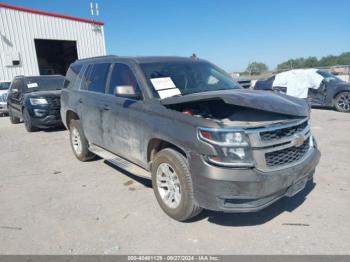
96,57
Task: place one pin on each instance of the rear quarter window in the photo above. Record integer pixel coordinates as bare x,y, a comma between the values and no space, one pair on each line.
95,77
72,76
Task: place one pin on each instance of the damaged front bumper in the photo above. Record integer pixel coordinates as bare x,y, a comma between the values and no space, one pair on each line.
248,190
43,117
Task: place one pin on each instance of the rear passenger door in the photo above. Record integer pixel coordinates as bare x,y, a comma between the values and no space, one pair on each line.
93,101
122,123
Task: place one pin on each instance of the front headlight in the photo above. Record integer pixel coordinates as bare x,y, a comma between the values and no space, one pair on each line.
38,101
233,147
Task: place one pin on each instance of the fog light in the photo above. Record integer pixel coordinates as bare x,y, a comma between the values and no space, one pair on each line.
39,112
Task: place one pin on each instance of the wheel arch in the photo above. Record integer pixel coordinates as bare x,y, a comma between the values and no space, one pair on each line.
340,91
157,144
70,115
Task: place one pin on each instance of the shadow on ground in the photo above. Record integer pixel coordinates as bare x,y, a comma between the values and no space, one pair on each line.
54,129
286,204
324,108
144,181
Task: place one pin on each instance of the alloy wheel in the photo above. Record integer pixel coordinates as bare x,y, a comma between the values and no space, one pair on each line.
76,141
168,185
343,101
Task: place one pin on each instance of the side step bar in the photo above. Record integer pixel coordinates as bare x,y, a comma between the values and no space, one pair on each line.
119,162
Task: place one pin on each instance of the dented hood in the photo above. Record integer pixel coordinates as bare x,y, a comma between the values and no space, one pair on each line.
261,100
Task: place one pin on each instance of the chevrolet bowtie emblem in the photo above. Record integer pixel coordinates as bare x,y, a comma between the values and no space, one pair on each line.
298,140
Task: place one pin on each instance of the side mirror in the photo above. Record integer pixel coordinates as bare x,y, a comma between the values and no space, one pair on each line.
126,91
14,91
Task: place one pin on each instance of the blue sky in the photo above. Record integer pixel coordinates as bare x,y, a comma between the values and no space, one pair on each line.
227,32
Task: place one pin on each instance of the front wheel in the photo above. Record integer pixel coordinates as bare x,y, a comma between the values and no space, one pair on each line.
28,121
172,185
342,102
13,119
78,141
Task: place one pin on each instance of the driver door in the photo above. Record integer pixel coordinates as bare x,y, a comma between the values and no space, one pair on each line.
318,96
15,97
122,121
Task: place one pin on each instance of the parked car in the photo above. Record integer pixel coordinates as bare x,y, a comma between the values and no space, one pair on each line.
184,123
320,87
36,100
4,87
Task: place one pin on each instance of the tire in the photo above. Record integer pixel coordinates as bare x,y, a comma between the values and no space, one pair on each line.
342,102
28,121
13,119
78,141
181,209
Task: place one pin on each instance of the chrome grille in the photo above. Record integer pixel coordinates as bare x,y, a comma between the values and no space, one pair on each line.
54,102
277,146
287,155
283,132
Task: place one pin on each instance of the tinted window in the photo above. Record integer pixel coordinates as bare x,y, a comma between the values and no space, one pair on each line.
328,76
72,75
122,76
16,84
86,78
43,83
96,78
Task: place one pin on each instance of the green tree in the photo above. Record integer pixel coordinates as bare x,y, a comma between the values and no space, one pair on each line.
256,68
330,60
311,61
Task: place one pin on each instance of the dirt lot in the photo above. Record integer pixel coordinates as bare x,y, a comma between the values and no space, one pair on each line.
50,203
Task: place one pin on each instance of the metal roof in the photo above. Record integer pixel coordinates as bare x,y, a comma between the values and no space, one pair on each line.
38,12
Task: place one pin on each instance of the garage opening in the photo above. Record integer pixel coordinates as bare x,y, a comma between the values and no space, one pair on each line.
55,56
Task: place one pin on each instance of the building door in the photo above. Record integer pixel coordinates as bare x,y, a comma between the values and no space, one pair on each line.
55,56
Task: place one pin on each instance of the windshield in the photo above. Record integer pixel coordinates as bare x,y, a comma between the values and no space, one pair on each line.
328,76
4,85
188,77
44,83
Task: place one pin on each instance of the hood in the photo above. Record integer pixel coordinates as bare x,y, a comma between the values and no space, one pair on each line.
261,100
50,93
3,92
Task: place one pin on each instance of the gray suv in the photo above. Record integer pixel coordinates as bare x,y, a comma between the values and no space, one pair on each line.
185,124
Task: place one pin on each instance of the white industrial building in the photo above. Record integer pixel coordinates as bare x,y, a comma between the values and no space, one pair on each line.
34,42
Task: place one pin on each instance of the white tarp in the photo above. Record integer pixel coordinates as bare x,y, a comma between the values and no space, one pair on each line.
298,81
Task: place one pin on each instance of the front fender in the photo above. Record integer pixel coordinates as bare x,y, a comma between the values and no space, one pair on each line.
335,90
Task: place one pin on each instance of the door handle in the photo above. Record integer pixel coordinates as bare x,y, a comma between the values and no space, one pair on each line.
80,100
106,107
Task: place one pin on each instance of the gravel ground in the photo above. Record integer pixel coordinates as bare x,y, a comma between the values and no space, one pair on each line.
50,203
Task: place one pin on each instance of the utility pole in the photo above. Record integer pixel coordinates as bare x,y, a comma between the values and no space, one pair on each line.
94,9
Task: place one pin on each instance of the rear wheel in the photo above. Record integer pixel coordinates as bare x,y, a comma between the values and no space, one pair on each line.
13,119
342,102
28,121
78,141
172,185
